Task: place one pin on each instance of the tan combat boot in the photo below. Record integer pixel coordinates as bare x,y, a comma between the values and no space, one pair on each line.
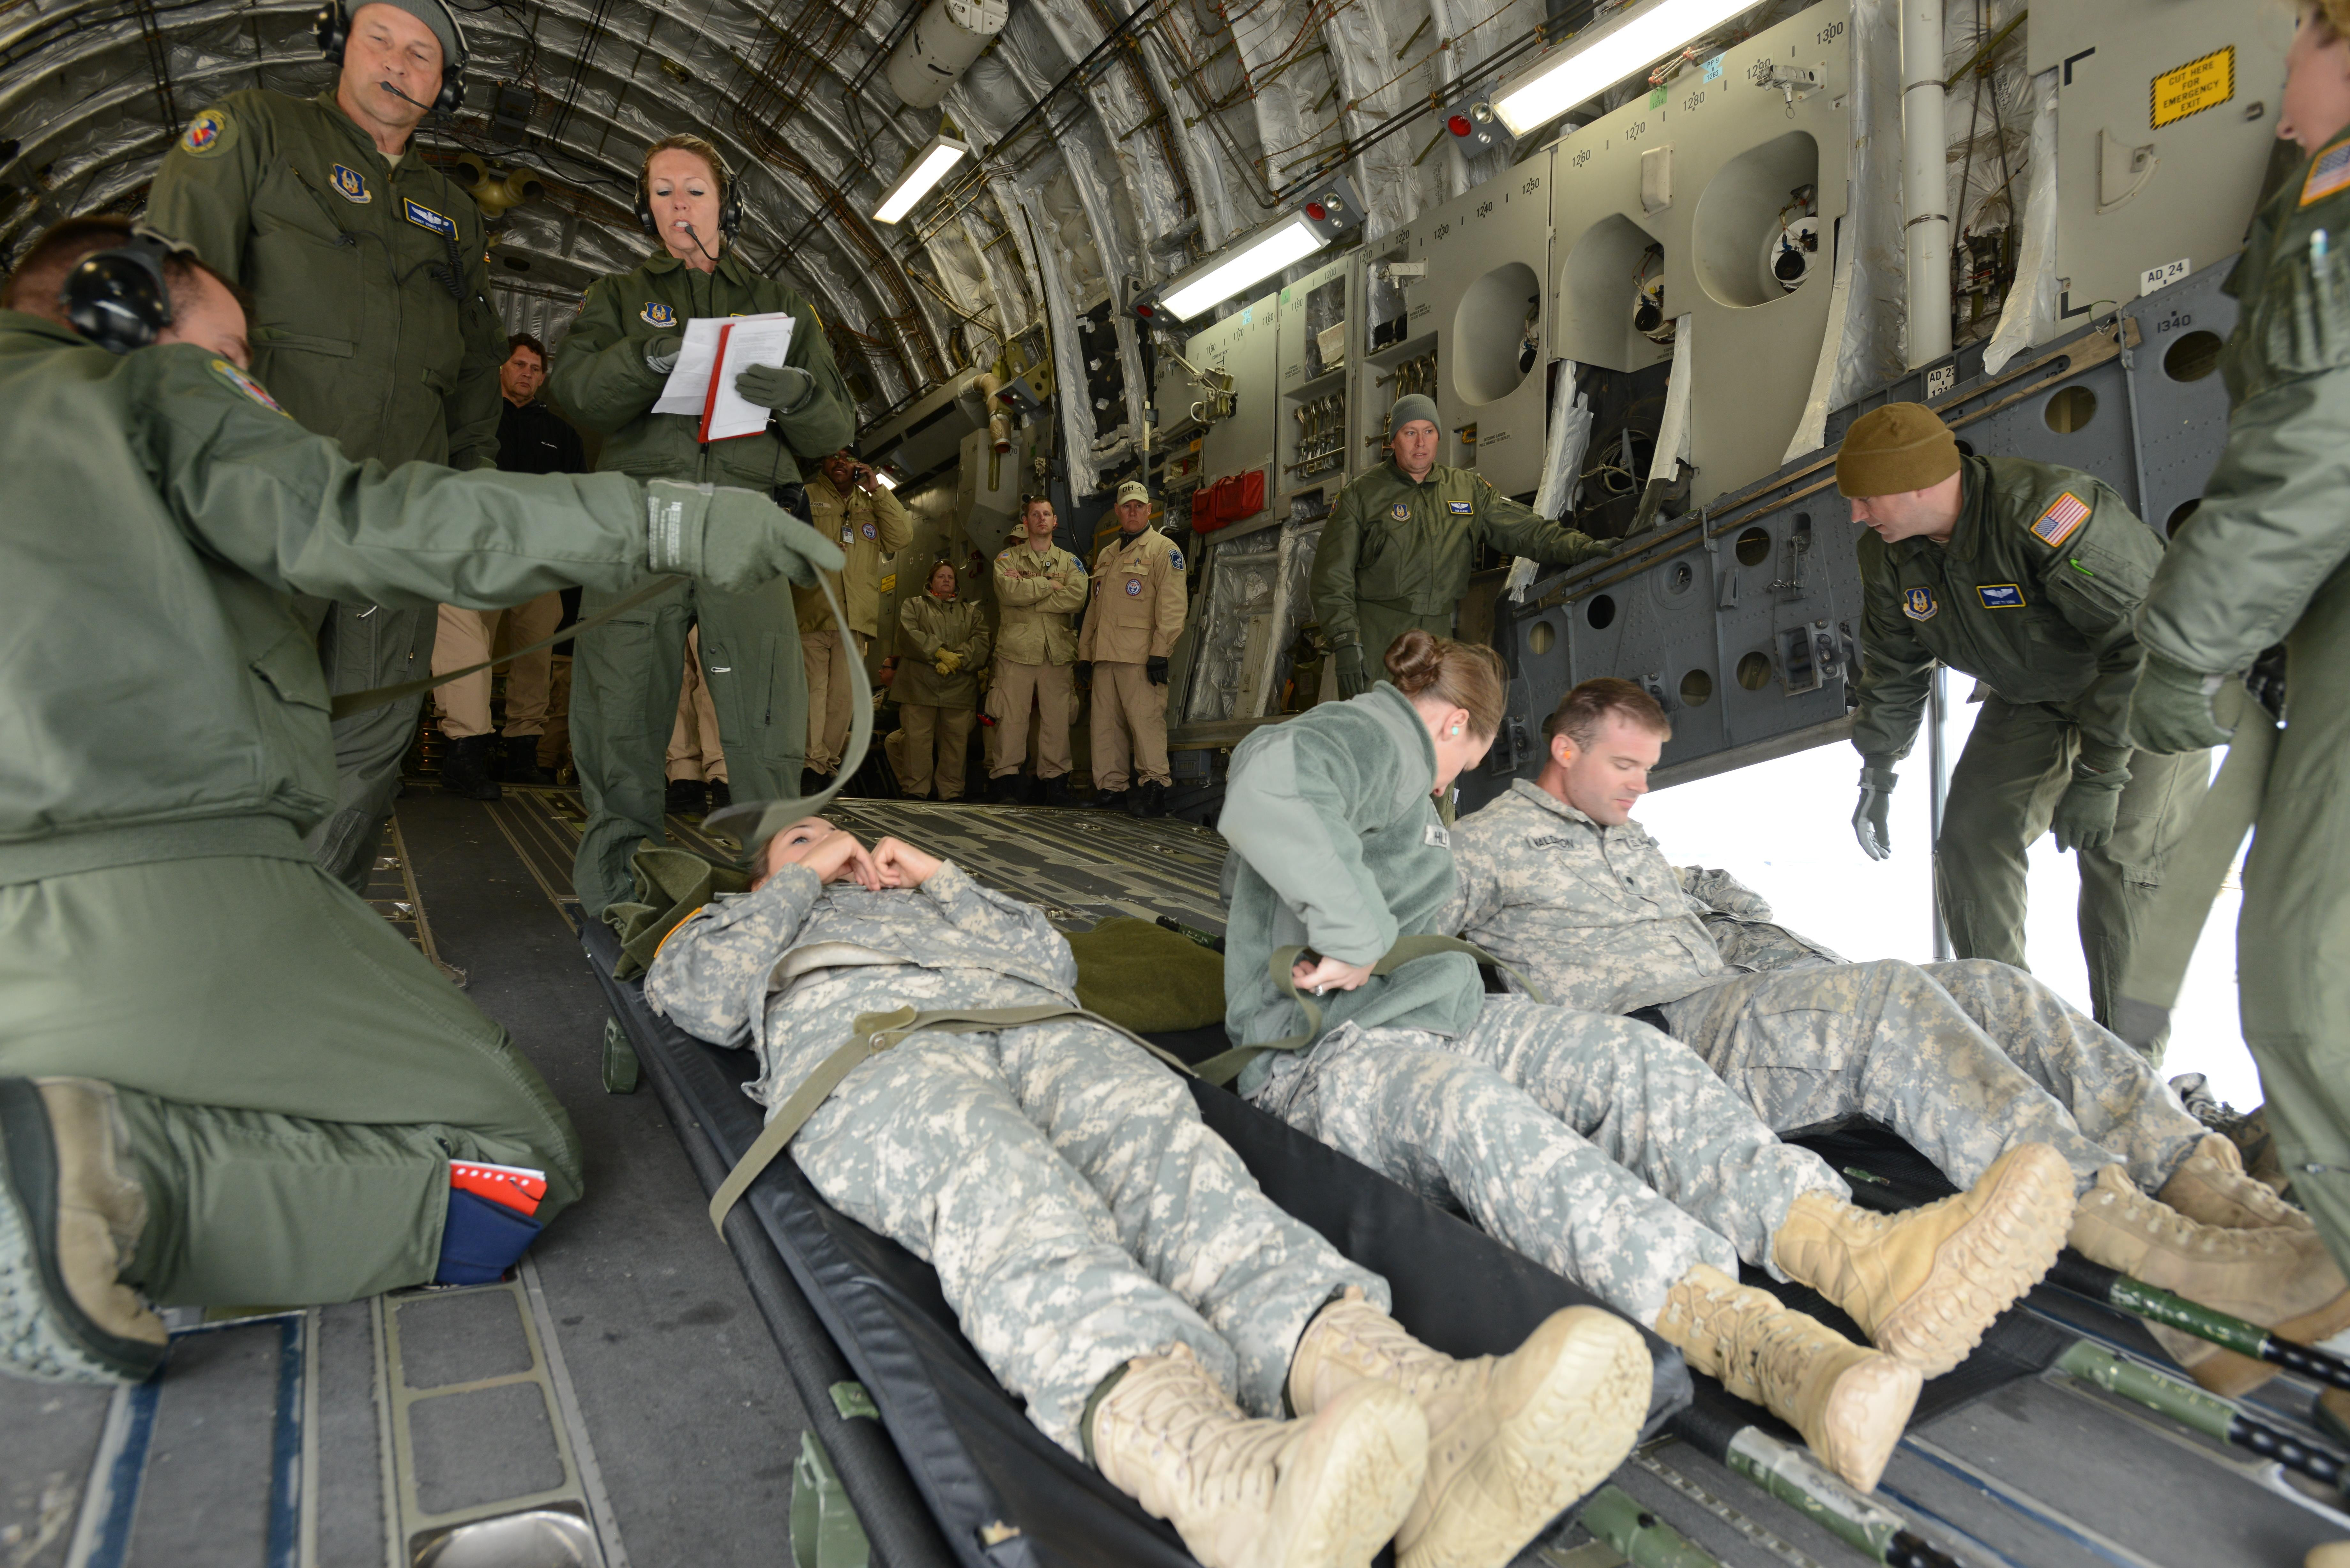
1513,1440
1321,1493
1925,1285
71,1213
2279,1277
1850,1403
2211,1185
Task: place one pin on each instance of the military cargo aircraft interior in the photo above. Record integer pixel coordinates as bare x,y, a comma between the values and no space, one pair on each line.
1039,784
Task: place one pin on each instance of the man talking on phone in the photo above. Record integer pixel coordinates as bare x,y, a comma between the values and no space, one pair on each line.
847,502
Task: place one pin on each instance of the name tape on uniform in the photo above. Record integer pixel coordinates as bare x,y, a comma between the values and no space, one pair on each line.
424,217
2000,596
1460,508
2063,517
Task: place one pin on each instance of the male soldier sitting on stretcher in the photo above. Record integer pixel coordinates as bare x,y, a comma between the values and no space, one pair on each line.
1108,1257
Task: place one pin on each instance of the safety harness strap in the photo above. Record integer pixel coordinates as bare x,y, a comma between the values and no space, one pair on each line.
869,1036
1225,1068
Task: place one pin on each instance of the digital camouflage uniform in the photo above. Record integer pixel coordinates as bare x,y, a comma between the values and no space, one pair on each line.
1060,1180
2033,597
371,324
626,674
1396,554
1556,1130
2267,558
870,528
1594,918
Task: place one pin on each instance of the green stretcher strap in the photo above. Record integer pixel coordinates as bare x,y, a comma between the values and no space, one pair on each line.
2149,988
1226,1068
869,1036
351,702
753,822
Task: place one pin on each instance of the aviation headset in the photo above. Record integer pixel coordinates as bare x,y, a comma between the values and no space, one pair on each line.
333,27
116,298
730,202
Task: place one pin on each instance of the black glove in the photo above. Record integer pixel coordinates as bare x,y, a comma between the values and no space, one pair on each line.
1154,669
661,353
1869,818
1085,667
733,539
1352,682
782,388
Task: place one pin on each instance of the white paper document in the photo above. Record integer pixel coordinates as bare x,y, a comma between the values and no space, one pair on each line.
749,340
688,386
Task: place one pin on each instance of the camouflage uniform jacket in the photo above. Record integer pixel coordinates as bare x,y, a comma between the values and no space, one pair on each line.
2031,595
1595,916
788,967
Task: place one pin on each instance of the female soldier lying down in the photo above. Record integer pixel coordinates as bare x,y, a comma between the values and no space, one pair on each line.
1110,1259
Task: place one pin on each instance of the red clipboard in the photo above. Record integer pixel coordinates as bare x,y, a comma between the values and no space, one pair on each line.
709,394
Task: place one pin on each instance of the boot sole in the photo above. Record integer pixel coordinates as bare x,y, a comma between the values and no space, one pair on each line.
1981,1268
43,1335
1348,1484
1865,1418
1580,1421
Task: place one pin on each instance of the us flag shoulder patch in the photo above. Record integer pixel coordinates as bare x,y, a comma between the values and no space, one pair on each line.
2063,517
2330,173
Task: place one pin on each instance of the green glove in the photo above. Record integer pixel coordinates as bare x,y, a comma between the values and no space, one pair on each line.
732,539
2084,816
779,387
1352,682
1870,823
2170,710
661,353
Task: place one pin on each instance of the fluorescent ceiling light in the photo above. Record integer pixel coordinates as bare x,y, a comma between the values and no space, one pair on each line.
926,171
884,478
1289,240
1603,55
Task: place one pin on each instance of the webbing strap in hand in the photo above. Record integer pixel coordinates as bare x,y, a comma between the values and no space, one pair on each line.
2192,878
869,1036
351,702
1225,1068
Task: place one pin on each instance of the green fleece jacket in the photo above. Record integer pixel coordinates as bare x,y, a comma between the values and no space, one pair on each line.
1336,844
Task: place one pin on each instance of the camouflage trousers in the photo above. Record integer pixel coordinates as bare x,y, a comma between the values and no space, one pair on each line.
1079,1212
1594,1145
1965,1060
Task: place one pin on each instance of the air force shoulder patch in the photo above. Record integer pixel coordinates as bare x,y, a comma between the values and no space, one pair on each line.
247,386
1400,512
2000,596
2062,520
656,314
351,185
208,133
1918,604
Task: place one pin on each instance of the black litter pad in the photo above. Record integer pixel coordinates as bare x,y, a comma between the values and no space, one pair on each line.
1001,1494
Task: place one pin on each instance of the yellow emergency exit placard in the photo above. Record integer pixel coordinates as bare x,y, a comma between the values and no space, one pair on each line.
2191,88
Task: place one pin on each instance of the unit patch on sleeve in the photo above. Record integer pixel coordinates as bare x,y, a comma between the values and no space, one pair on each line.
1175,559
2000,596
1918,604
207,134
2327,175
1461,508
1400,512
247,386
351,185
424,217
656,314
2064,515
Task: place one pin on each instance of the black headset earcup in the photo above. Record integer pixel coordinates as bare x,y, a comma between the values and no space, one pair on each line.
117,299
645,210
451,96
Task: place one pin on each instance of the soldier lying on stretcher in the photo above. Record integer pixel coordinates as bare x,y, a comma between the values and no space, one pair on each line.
1109,1258
1966,1060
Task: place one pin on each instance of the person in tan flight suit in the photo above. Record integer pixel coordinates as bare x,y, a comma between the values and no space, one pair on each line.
1130,629
1038,586
845,500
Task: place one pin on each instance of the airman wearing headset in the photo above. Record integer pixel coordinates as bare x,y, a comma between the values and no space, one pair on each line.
371,321
614,365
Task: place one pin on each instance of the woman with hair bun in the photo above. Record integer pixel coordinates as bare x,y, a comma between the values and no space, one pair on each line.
1565,1134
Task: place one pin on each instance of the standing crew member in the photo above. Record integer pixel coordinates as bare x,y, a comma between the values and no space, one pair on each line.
848,503
371,322
1038,585
2022,575
2267,557
1396,551
625,677
532,438
941,643
223,1078
1130,629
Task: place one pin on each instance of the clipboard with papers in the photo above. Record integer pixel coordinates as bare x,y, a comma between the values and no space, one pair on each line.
717,350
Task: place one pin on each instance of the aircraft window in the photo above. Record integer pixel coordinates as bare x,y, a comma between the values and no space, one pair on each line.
1697,689
2192,358
2070,409
1600,612
1754,546
1754,671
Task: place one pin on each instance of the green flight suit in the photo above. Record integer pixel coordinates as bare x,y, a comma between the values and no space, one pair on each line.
625,673
371,324
2032,595
1396,554
296,1076
2265,559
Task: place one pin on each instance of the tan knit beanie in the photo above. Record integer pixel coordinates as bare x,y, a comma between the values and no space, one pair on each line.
1897,447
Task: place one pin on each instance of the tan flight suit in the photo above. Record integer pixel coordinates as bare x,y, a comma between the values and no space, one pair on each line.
1136,615
465,638
869,527
694,750
1036,593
